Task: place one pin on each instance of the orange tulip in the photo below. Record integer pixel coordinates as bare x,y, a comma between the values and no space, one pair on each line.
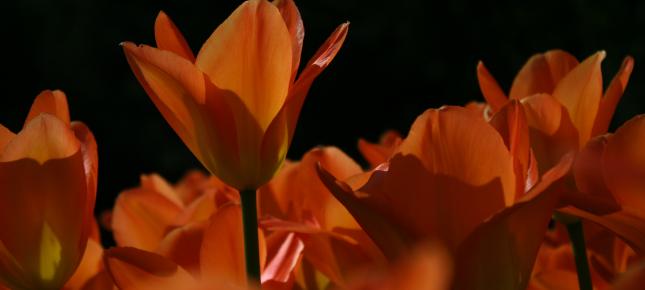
235,105
48,177
454,179
298,202
563,99
202,255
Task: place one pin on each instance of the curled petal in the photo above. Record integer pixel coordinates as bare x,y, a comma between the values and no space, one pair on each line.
612,95
292,19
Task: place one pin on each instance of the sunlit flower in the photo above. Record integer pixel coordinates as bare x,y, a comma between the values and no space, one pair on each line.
48,174
236,104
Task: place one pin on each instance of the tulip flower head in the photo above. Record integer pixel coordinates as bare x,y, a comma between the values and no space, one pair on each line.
48,174
236,104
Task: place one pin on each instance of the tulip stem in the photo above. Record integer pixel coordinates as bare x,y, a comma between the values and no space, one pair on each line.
577,238
251,245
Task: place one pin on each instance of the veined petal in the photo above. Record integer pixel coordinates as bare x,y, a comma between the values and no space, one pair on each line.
493,94
542,73
314,67
624,165
168,37
222,250
50,102
612,95
292,19
501,252
132,268
250,54
580,91
44,138
451,142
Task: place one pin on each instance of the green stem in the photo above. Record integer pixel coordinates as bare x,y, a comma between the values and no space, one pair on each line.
251,246
577,238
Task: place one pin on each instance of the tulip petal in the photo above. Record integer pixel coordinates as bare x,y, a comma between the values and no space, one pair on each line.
376,154
280,267
390,238
511,124
292,19
182,246
612,95
131,268
5,137
501,252
91,165
222,250
168,37
624,161
43,138
141,218
493,94
580,91
314,67
91,264
48,243
250,54
542,73
50,102
552,133
632,279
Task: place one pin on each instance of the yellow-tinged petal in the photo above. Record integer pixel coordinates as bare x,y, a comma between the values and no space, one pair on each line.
44,138
250,54
580,91
501,252
168,37
135,269
50,102
493,94
612,95
222,252
542,73
292,19
43,250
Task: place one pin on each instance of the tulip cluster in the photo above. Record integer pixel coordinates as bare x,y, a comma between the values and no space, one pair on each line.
528,190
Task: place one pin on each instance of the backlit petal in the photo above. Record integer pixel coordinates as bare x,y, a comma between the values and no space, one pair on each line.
493,94
222,250
542,73
292,19
50,102
250,54
612,95
168,37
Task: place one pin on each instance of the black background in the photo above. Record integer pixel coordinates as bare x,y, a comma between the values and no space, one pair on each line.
400,58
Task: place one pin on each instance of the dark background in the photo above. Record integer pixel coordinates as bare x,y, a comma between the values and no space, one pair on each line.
400,58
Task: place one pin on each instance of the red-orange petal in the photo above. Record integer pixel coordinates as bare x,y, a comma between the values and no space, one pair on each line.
542,73
131,268
5,137
492,92
612,96
580,91
50,102
222,250
91,265
376,154
182,246
168,37
501,252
